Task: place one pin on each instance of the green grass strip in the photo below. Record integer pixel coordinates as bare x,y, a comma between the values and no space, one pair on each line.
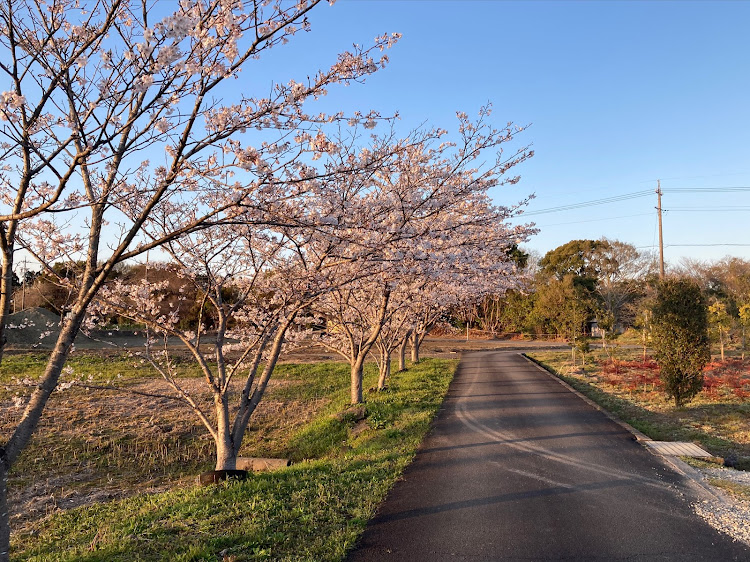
313,510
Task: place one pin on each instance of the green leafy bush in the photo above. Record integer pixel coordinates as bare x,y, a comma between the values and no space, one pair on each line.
680,338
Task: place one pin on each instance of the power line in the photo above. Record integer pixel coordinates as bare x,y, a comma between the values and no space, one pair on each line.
690,245
593,220
703,245
696,177
706,189
635,195
686,191
710,209
606,200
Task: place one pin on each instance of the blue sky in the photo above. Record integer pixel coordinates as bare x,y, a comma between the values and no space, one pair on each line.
618,95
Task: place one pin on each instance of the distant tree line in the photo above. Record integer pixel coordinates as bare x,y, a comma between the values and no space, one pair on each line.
580,285
601,288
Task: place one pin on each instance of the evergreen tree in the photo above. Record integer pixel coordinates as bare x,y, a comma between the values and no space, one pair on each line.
680,338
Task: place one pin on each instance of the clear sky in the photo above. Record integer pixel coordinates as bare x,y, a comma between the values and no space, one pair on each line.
618,95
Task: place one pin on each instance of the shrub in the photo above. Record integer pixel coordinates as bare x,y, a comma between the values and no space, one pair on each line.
680,338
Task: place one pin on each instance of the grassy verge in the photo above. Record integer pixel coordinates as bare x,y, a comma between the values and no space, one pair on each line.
313,510
719,422
721,479
739,491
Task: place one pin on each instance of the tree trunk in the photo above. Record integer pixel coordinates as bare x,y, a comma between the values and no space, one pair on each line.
402,352
226,454
385,370
357,375
721,345
418,340
359,361
4,517
249,402
47,384
21,436
6,293
415,348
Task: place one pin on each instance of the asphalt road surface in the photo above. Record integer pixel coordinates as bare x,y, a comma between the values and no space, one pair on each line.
519,468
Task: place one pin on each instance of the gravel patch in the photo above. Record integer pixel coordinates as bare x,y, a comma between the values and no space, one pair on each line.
722,473
728,514
732,519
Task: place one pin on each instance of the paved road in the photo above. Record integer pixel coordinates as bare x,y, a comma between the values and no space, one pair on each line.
519,468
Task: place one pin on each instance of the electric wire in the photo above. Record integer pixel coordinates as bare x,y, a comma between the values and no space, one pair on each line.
654,246
703,245
646,193
604,201
593,220
709,209
705,189
634,195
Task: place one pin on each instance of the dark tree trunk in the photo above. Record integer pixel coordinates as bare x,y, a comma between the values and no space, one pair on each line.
402,352
417,339
415,348
359,361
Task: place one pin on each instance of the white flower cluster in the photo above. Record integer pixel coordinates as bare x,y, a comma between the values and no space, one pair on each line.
177,26
10,103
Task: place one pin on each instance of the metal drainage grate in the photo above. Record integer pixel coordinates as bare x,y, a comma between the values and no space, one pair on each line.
677,448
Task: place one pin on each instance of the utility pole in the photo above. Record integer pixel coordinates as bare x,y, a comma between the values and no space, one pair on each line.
661,237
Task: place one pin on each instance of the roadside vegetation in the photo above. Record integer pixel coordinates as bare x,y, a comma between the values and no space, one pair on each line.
599,289
129,466
630,387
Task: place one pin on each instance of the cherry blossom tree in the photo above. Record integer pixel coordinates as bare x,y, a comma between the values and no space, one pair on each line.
475,268
428,306
395,331
431,216
115,113
417,307
355,315
255,277
251,286
407,297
